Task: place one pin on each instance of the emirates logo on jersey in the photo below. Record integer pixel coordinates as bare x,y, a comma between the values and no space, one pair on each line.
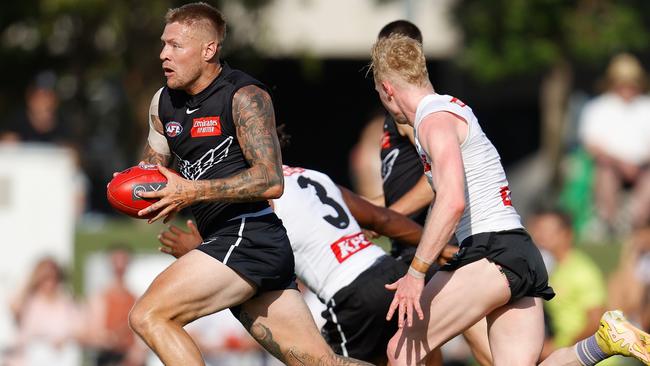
206,126
349,245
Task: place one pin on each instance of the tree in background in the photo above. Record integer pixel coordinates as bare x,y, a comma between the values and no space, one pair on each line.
506,38
105,54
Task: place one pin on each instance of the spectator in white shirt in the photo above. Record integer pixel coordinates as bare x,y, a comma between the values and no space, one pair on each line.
615,130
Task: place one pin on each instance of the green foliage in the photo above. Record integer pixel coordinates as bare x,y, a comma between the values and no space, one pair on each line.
93,45
510,37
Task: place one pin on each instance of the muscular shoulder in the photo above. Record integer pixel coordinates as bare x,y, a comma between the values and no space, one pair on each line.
443,124
251,101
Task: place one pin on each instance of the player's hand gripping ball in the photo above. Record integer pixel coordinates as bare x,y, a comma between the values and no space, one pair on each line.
122,191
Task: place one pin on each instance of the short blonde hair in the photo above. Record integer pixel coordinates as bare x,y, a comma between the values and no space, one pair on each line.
201,15
399,56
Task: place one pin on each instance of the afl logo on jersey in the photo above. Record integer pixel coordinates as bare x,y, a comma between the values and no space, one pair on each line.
173,129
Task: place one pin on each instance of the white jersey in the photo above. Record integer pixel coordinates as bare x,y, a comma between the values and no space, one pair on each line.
329,249
487,197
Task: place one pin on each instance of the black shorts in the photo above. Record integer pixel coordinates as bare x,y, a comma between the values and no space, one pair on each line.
257,248
516,254
356,315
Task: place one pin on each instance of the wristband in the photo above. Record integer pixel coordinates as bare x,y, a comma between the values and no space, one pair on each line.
420,265
415,273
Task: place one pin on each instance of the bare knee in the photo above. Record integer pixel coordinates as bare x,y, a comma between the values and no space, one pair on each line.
137,319
143,319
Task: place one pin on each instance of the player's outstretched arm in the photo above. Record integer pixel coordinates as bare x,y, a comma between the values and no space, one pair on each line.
389,223
440,139
418,197
382,220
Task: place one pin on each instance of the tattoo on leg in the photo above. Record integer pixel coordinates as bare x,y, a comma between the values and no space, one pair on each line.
302,358
341,361
264,336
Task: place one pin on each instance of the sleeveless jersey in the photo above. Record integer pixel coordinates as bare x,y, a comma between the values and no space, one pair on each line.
202,136
487,197
329,249
401,169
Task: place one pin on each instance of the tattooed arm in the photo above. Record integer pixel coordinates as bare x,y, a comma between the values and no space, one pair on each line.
151,156
254,119
156,150
255,123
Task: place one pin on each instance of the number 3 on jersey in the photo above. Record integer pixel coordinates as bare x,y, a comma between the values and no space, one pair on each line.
341,220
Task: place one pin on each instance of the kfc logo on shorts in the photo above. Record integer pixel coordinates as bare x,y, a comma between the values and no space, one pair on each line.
345,247
173,129
206,126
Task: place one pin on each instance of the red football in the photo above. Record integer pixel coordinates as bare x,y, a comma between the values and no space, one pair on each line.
123,188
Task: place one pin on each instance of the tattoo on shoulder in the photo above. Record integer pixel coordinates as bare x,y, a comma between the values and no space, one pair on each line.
150,156
254,118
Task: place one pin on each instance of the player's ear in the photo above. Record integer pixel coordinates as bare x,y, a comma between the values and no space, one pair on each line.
210,50
387,87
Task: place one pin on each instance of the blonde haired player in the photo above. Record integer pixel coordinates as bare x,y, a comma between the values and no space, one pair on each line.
498,272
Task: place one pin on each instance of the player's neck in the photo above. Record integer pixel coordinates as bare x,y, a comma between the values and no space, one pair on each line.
411,99
205,79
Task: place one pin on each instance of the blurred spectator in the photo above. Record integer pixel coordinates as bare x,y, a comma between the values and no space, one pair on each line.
40,120
578,283
47,320
629,285
615,130
108,330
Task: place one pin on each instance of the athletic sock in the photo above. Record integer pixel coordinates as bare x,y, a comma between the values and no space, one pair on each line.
588,352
